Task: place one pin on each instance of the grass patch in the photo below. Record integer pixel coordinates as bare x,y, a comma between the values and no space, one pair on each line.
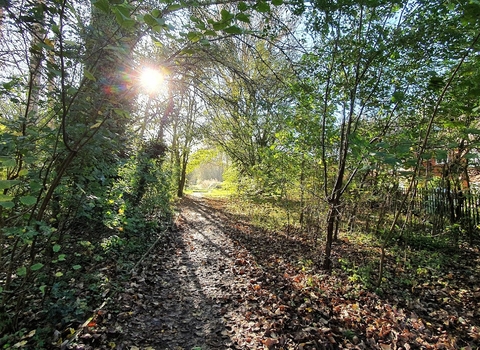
212,190
266,213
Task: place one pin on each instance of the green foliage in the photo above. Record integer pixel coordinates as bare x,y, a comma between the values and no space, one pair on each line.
230,179
201,156
141,194
338,125
112,243
362,274
64,157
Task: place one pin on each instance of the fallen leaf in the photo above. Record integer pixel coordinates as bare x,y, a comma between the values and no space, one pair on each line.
269,342
20,344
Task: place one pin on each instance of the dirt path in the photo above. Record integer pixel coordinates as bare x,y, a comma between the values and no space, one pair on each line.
182,297
202,289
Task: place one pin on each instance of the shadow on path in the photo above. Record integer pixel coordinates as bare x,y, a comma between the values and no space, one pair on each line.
176,299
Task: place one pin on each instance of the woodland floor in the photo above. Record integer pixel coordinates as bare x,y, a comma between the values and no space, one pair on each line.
219,283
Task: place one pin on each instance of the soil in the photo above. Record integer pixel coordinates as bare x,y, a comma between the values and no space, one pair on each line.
218,283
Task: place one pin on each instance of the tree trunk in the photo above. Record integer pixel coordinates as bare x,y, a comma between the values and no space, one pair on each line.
331,220
183,174
302,191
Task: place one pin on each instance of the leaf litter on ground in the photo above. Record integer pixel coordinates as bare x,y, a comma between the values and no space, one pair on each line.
219,282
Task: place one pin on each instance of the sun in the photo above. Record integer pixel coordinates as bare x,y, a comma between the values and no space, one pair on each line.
152,80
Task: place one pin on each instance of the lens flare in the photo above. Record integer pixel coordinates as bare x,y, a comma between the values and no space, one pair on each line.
152,80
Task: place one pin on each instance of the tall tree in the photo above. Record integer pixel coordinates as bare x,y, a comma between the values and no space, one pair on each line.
358,62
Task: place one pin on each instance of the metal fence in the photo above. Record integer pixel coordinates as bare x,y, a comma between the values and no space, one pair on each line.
444,206
429,210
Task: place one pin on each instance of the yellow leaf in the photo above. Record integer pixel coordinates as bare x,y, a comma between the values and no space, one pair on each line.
20,344
49,43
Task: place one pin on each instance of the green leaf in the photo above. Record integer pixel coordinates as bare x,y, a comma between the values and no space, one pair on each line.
153,21
7,161
219,25
5,198
102,5
174,7
277,2
42,289
210,33
398,96
96,125
35,185
472,131
4,184
226,15
243,17
9,84
36,267
242,6
7,205
233,30
205,42
56,248
194,36
76,267
28,200
262,6
441,155
59,274
122,112
150,20
471,156
195,19
22,271
200,25
122,15
390,160
56,29
89,75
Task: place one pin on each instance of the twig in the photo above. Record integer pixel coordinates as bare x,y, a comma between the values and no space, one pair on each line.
81,328
149,249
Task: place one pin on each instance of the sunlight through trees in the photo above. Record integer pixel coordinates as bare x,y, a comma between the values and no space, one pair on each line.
328,120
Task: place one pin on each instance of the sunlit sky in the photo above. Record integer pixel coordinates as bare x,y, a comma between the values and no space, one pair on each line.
152,80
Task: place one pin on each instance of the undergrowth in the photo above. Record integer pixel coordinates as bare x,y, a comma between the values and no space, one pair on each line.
67,297
412,258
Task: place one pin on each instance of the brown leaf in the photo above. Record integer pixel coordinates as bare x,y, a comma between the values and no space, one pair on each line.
269,342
